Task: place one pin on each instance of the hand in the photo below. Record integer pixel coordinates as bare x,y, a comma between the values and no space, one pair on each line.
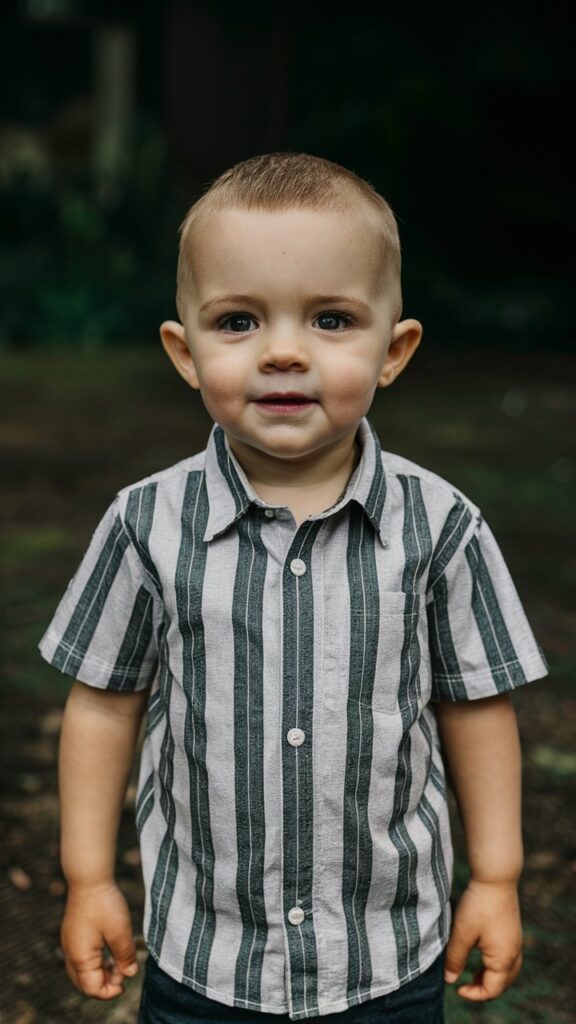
98,915
487,916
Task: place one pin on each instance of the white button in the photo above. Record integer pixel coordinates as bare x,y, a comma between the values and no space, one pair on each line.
269,513
296,915
295,737
297,566
385,544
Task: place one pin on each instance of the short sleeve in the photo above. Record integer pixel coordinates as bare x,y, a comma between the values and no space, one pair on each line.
103,630
480,641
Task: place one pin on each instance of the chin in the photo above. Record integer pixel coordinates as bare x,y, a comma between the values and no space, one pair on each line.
286,451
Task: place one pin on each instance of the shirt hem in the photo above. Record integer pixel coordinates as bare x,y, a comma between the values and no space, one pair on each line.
93,671
345,1003
475,682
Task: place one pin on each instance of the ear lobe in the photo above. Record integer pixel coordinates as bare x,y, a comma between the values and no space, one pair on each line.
406,337
173,337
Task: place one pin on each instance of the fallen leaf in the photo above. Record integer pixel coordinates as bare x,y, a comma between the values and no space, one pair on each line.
20,880
24,1013
559,762
542,860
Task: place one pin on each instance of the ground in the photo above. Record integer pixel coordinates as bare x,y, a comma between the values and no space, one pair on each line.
78,425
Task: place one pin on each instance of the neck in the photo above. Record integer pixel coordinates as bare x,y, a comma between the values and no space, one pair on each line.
321,471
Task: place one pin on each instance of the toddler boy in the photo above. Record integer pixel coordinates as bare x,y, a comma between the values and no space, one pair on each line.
310,623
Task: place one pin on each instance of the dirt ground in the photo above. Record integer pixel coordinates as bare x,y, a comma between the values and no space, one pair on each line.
77,426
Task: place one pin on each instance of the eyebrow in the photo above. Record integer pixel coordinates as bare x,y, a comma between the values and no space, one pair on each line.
226,298
339,300
310,300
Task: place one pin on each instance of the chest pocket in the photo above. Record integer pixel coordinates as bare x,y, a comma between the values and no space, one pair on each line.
389,668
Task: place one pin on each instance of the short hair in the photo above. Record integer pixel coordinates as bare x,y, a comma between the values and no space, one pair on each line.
282,181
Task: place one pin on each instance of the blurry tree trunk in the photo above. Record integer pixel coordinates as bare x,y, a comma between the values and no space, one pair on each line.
114,63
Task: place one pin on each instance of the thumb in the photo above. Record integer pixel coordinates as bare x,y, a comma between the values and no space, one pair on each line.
122,948
457,952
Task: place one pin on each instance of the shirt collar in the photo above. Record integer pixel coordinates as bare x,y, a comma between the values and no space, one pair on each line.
230,493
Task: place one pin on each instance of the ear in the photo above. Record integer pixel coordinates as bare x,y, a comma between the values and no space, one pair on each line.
406,337
174,341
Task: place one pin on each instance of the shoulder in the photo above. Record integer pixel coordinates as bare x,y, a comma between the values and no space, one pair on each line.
435,489
164,482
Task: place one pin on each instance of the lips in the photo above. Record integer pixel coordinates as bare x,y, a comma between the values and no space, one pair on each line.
286,398
285,403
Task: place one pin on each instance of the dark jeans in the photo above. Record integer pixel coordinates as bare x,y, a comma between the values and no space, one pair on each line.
165,1001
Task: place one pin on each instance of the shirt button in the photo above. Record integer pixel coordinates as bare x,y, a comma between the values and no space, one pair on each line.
296,915
269,513
295,737
297,566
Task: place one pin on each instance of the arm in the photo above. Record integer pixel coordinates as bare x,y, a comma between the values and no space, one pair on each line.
98,741
482,750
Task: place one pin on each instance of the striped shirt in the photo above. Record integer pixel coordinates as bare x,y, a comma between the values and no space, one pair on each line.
291,803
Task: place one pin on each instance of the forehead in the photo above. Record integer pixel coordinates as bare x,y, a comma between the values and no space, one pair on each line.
286,249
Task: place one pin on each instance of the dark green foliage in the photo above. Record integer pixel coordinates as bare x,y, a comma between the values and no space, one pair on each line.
86,265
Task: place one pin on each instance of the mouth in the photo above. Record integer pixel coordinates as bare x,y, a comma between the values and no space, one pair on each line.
288,401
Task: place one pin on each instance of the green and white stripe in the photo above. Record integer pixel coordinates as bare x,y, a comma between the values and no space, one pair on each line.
91,602
417,553
189,582
249,759
500,651
145,802
357,849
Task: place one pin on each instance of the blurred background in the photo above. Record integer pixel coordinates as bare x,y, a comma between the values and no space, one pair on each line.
115,115
114,118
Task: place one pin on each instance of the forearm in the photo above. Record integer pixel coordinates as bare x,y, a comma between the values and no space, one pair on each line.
98,740
482,750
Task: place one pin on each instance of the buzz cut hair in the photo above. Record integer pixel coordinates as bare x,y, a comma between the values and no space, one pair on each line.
281,181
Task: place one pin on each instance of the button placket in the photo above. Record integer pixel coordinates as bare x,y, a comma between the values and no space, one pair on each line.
298,699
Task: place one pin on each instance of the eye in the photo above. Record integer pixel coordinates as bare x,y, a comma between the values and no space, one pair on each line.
328,321
237,323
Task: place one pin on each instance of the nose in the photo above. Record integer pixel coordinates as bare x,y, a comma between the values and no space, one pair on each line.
284,350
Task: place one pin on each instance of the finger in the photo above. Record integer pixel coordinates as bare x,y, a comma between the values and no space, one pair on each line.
99,983
76,973
71,972
122,948
489,983
92,977
457,953
114,972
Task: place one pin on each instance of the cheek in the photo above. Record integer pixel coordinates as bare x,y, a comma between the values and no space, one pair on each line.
351,381
221,378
